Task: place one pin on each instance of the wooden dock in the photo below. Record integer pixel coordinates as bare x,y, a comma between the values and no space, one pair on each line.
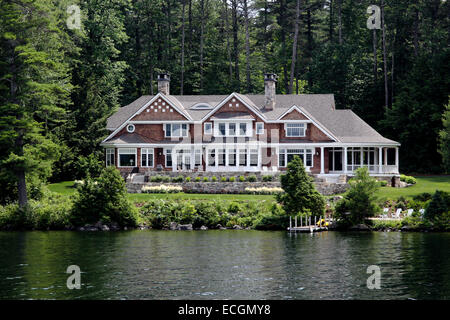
307,226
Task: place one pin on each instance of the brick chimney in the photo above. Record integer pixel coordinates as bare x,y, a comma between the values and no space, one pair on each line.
164,83
270,85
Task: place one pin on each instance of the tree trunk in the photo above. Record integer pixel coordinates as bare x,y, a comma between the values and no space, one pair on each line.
416,32
227,33
340,20
294,47
375,59
203,4
331,31
247,47
236,44
182,48
386,89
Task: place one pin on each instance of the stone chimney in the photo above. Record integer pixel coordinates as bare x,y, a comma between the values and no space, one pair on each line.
164,83
270,85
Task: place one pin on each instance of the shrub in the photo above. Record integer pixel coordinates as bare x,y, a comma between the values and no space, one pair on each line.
425,196
267,178
223,179
188,179
251,178
104,201
156,178
214,179
205,179
165,179
232,179
300,193
198,179
383,183
178,179
264,190
360,200
90,166
161,189
241,178
438,206
411,180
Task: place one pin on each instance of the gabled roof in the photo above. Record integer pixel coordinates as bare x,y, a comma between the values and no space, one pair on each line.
344,125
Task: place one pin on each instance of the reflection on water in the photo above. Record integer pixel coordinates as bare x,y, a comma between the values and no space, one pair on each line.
224,265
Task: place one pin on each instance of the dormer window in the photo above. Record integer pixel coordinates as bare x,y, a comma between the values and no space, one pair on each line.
295,129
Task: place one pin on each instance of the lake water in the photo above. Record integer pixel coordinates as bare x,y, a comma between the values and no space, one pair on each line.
221,264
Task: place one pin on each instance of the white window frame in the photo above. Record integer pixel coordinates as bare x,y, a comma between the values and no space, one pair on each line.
210,131
172,130
147,152
300,125
260,128
248,128
127,151
304,153
109,152
166,151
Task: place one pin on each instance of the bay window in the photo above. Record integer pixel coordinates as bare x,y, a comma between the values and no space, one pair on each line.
127,157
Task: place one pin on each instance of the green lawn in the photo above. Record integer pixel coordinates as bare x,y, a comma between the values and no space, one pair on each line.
424,184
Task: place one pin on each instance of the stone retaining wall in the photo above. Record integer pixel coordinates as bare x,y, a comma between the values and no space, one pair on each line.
234,187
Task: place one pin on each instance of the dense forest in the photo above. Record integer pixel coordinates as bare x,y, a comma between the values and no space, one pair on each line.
66,65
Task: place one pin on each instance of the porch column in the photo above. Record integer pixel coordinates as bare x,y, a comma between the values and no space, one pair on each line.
385,156
345,160
322,160
226,158
380,160
216,159
361,162
174,160
397,160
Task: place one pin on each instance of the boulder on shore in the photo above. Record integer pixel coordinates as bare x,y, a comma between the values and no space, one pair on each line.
173,226
185,227
360,227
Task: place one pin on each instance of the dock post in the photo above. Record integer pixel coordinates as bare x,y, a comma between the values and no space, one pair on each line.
301,221
295,221
290,223
315,220
309,220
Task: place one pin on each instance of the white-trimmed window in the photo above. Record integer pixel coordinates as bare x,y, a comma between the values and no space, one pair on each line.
242,157
110,155
259,128
176,130
130,128
253,157
295,129
232,129
147,156
198,157
207,128
168,153
232,157
287,155
211,157
127,157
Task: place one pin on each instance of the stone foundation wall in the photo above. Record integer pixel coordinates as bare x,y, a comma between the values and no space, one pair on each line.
234,187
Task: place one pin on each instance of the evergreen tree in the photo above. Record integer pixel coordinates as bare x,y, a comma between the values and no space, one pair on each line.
300,195
35,86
